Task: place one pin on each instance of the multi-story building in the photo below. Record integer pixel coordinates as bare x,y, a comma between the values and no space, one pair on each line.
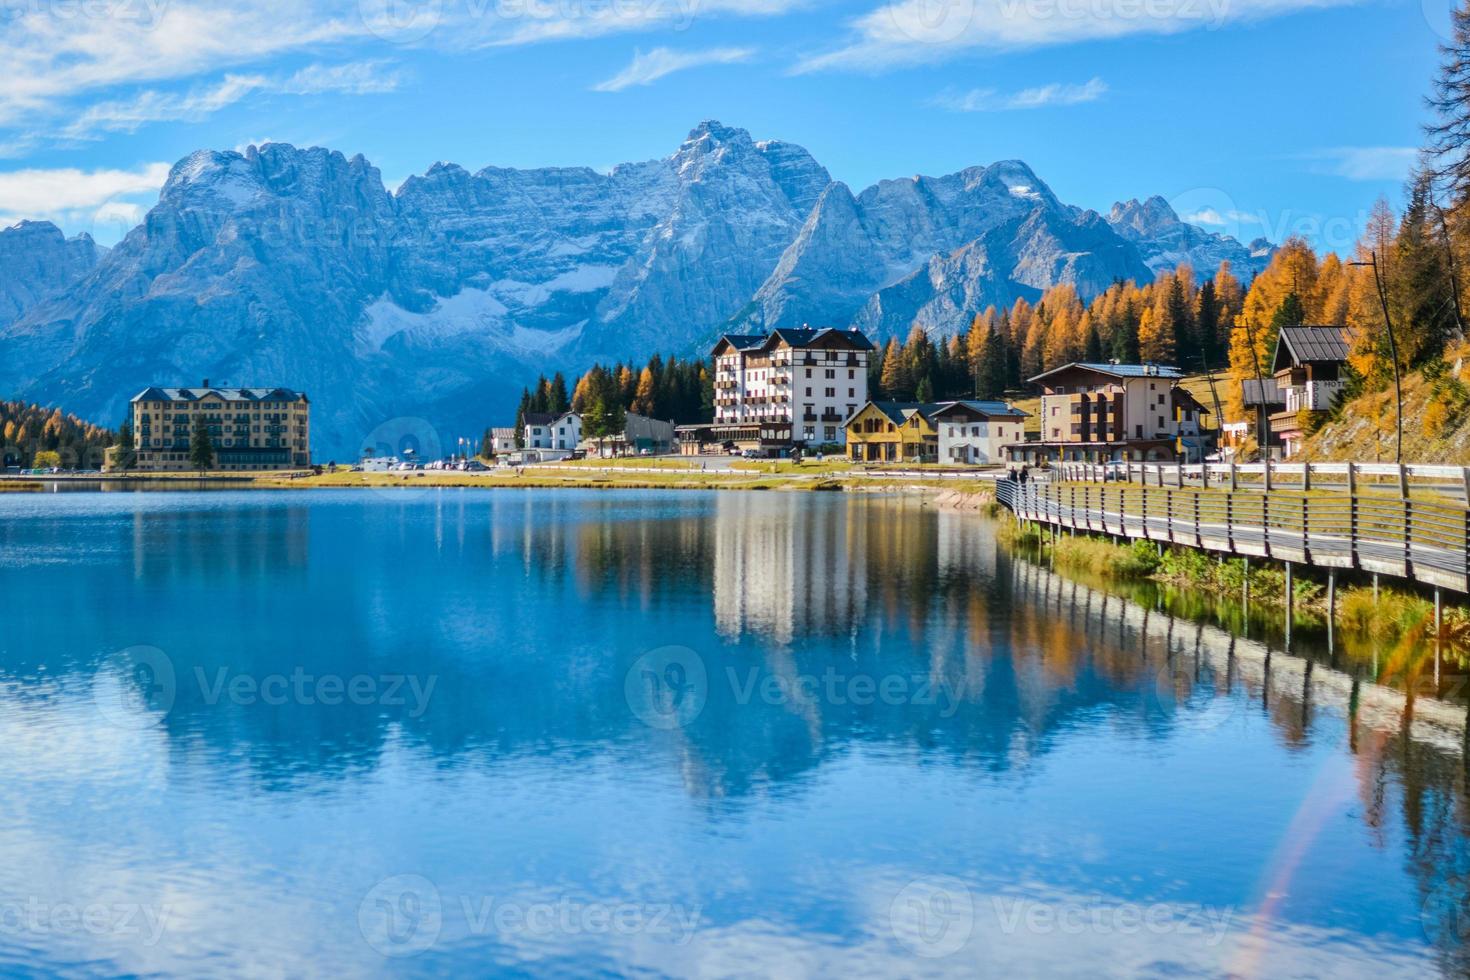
1104,412
1308,368
976,432
790,387
249,428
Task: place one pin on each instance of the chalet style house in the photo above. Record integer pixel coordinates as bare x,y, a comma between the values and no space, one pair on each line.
977,432
894,432
1309,370
1104,412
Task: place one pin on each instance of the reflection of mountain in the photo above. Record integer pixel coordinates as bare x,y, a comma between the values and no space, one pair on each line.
528,611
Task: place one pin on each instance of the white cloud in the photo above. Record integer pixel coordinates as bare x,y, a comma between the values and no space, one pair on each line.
53,59
106,203
645,69
152,105
989,100
908,32
1212,216
526,22
36,193
1365,162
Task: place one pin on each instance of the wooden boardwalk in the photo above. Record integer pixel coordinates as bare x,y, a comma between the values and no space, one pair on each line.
1423,540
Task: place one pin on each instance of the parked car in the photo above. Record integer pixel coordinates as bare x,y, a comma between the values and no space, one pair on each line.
474,466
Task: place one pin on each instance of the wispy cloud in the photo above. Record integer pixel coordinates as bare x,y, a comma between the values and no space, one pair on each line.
647,68
991,100
529,23
910,32
105,202
1365,162
1218,219
152,105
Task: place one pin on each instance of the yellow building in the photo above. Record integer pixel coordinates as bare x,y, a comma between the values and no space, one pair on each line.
892,432
249,428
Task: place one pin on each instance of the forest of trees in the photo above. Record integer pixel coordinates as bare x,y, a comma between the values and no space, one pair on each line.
31,429
1171,320
668,389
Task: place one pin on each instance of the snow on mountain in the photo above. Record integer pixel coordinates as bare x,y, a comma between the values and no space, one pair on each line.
1167,242
297,267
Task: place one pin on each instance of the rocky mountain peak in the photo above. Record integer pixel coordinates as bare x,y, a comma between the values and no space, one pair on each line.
295,266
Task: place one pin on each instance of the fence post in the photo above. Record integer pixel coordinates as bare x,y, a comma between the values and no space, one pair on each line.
1266,473
1408,535
1403,481
1465,479
1305,519
1204,475
1352,478
1232,474
1306,476
1229,522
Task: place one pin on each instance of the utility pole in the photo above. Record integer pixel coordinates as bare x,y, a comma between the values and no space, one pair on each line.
1393,353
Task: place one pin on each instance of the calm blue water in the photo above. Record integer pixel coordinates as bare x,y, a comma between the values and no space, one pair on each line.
458,732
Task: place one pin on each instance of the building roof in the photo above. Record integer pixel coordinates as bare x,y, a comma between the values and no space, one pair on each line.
507,432
994,409
1310,344
545,418
900,412
795,337
249,395
1250,392
1183,396
1116,370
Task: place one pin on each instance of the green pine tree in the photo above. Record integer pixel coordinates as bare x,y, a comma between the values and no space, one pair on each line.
201,447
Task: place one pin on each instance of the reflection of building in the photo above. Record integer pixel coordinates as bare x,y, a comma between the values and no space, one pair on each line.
788,387
891,432
249,428
1102,412
785,568
1308,367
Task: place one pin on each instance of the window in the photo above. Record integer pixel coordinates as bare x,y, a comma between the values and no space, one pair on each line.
831,392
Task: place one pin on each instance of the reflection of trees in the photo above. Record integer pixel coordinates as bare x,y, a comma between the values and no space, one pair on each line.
530,609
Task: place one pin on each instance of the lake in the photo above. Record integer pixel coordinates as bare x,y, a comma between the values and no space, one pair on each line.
567,733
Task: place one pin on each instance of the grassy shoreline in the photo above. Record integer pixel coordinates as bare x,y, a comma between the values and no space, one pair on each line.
1394,616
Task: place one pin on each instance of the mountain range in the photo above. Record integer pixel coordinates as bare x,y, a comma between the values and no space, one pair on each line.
433,305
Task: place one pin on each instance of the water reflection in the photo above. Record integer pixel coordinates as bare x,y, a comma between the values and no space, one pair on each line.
471,670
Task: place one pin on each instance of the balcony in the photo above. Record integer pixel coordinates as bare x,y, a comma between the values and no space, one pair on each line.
1314,396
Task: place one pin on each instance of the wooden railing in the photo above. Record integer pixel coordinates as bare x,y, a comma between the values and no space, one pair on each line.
1452,481
1423,540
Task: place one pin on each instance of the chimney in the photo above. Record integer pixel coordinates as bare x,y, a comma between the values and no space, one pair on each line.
205,384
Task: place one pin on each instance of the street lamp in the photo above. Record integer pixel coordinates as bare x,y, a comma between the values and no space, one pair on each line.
1393,352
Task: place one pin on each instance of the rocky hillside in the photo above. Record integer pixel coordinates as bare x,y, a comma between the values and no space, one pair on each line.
1436,420
431,306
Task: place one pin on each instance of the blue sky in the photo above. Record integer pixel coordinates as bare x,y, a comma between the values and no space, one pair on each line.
1257,117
